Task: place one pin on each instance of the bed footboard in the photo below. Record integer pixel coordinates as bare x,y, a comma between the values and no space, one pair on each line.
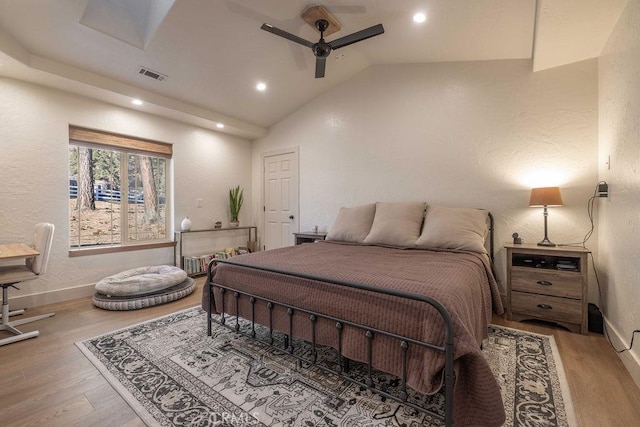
227,314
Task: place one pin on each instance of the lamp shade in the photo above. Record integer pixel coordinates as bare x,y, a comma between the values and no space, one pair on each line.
545,196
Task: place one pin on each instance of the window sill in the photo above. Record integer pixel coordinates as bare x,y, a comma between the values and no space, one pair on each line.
120,248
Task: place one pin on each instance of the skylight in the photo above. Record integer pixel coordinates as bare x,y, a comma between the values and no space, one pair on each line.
133,22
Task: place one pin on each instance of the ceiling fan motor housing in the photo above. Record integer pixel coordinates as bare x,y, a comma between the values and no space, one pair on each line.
321,49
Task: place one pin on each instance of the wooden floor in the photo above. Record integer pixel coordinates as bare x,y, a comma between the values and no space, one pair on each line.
47,381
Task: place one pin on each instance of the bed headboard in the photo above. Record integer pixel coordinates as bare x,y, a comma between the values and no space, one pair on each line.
491,241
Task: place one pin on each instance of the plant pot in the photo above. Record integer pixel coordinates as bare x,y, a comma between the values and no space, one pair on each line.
234,223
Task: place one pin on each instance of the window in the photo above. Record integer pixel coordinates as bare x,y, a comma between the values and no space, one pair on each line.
117,190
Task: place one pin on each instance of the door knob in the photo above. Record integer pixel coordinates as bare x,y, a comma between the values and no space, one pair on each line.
290,216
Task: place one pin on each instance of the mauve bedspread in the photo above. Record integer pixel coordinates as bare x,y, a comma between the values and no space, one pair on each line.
461,281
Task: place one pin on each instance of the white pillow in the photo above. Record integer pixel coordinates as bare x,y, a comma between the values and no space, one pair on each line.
461,229
396,223
352,224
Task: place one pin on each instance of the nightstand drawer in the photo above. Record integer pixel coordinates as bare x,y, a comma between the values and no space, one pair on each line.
547,307
554,283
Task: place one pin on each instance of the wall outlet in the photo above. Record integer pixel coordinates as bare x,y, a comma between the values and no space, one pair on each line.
199,203
603,190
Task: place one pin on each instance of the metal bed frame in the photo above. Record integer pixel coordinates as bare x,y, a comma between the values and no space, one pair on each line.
447,347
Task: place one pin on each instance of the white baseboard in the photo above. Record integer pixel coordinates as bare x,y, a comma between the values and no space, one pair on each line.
51,297
630,359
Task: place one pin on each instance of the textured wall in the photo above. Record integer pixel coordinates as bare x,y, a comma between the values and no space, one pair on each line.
477,134
34,140
619,137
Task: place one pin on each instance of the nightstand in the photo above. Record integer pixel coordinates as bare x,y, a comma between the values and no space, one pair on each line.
309,236
548,283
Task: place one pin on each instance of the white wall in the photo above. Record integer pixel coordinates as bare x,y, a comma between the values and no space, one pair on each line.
34,138
619,137
476,134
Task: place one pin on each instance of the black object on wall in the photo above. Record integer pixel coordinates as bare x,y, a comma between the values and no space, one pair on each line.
603,189
595,319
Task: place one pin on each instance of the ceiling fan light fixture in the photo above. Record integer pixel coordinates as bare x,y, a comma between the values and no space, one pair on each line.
321,50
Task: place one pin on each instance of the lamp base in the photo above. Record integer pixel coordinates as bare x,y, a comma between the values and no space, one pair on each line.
546,242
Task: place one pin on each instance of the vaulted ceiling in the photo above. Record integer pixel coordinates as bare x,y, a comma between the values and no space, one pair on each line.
213,53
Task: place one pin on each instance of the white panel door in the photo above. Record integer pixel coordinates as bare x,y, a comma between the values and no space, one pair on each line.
280,199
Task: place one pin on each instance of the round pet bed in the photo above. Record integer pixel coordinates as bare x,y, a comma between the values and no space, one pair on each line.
135,302
141,280
142,287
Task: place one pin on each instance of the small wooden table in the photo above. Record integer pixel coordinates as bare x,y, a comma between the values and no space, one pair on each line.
13,251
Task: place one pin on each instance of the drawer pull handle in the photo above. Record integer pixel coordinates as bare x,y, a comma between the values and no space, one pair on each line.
544,283
545,306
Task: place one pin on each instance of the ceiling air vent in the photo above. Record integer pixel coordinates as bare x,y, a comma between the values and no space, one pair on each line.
152,74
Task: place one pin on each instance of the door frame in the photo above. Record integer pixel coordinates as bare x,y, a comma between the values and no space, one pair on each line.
295,150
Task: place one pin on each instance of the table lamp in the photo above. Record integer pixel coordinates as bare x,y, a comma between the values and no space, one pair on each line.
545,196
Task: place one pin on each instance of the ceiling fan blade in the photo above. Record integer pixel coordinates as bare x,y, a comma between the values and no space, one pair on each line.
286,35
320,65
357,36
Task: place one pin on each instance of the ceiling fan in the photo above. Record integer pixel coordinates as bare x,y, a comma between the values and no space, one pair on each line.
322,49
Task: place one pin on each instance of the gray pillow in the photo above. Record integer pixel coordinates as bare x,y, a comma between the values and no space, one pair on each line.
462,229
396,223
352,224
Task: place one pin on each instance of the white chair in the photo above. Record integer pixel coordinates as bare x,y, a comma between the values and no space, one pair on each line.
33,268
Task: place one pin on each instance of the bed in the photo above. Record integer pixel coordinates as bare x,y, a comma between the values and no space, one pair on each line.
390,288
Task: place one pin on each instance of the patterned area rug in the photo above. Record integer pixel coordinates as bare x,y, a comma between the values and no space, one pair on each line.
172,374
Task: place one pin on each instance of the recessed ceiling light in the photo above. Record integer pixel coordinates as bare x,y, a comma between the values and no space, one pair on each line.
419,17
220,126
137,101
261,86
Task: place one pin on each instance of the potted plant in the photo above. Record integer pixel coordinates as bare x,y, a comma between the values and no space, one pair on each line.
236,199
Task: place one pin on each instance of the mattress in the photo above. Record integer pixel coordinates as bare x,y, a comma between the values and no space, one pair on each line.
461,281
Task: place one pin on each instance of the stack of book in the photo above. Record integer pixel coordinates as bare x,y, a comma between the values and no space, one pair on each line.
197,264
194,265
